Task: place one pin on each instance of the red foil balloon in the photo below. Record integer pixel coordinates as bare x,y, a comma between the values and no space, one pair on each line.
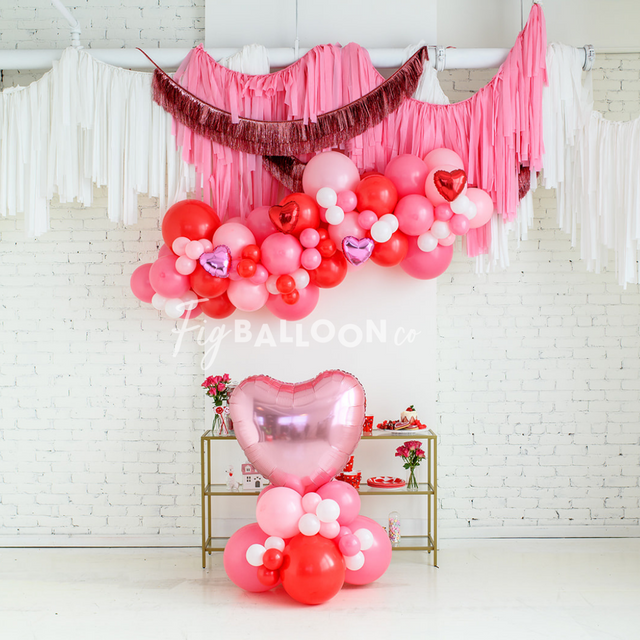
378,194
308,212
189,218
392,252
206,285
331,272
299,435
218,308
313,570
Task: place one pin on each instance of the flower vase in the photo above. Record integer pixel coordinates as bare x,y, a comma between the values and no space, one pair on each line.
219,425
412,483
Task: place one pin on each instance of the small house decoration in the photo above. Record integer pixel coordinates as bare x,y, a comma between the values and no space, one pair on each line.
251,479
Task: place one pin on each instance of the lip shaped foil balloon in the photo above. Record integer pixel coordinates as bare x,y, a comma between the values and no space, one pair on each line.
299,435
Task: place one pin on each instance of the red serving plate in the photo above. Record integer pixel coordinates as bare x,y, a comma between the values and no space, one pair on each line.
386,482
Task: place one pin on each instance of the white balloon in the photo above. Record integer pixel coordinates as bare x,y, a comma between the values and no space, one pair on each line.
366,538
326,197
354,562
328,511
440,229
427,242
381,231
334,215
255,554
301,276
190,300
174,308
271,285
158,301
391,220
309,524
460,204
472,211
273,542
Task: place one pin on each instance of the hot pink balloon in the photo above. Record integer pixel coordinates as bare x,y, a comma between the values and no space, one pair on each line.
415,214
330,169
260,224
309,238
442,156
247,296
166,280
347,498
376,558
299,435
426,265
260,276
140,284
443,212
408,173
347,201
349,545
459,224
240,572
235,235
310,259
484,205
367,218
307,302
281,254
165,251
348,227
431,190
279,511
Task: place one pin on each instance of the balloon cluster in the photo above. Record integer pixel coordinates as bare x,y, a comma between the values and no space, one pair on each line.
281,256
312,544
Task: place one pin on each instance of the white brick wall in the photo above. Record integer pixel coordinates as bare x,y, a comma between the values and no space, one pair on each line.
538,365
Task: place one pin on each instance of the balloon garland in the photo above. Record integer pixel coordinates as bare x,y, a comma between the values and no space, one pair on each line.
281,256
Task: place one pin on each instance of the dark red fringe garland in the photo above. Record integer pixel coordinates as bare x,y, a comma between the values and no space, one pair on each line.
285,169
524,181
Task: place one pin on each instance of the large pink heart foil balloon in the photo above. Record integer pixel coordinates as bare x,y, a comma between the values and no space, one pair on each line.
299,435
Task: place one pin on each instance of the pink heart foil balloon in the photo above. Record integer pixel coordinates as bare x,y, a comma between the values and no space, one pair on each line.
217,262
299,435
357,251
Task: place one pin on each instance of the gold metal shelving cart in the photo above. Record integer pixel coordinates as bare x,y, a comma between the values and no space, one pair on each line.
427,542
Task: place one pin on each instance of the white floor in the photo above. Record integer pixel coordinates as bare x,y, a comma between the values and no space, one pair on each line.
511,589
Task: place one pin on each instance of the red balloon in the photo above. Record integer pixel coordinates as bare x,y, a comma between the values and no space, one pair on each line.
323,233
246,268
206,285
268,577
378,194
308,212
331,272
392,252
285,284
251,252
272,559
189,218
313,569
292,297
218,308
326,247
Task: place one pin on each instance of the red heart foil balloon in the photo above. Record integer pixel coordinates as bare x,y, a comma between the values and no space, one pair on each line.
285,217
299,435
450,184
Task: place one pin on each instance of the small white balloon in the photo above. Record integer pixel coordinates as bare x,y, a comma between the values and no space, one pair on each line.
254,555
330,529
334,215
328,511
309,524
190,300
158,301
460,204
427,242
174,308
366,538
391,220
440,229
354,562
472,211
271,285
301,276
326,197
381,231
273,542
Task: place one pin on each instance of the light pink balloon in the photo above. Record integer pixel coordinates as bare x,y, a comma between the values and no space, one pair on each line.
459,224
347,200
207,244
310,502
431,190
329,529
267,488
235,220
247,296
179,245
484,205
347,498
348,227
140,284
307,302
240,572
426,265
194,249
260,276
185,265
330,169
408,173
310,259
165,251
235,235
260,224
233,271
449,240
442,156
309,238
376,558
165,280
415,214
367,219
298,435
281,254
278,512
